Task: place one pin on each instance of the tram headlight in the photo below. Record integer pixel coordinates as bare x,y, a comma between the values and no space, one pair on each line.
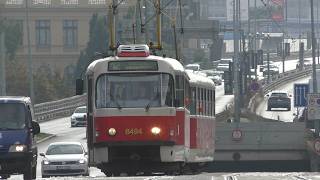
112,132
155,131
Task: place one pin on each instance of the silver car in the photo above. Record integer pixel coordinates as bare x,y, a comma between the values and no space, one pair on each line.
64,159
78,117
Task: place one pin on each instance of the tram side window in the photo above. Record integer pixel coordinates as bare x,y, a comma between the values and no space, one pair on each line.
210,102
214,102
193,103
207,102
198,101
167,90
179,102
202,102
187,94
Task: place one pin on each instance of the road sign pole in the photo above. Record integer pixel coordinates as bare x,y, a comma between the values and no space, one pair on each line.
317,127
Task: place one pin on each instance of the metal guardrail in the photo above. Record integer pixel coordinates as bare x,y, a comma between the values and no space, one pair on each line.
65,107
58,109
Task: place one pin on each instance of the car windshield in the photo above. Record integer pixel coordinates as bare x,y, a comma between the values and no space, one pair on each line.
81,110
130,90
279,95
64,149
12,116
193,67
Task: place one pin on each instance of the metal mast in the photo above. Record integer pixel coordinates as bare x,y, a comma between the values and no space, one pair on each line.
314,73
236,36
30,65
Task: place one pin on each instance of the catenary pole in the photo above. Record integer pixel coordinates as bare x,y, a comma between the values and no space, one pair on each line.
30,64
236,36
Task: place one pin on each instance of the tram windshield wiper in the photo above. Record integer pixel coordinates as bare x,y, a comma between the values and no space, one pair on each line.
115,100
147,107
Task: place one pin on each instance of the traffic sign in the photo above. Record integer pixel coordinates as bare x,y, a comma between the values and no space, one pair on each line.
300,95
254,86
237,135
313,106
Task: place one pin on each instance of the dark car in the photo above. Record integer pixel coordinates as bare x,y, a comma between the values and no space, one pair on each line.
279,100
18,150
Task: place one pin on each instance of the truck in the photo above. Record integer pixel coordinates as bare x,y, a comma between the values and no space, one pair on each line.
18,151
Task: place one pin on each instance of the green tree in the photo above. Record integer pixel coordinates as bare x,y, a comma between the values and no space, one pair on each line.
97,44
16,76
13,36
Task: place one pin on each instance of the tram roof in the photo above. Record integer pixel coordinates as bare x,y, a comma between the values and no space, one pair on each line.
173,63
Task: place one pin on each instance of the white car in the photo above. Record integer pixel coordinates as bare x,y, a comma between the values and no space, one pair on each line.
194,67
64,159
78,118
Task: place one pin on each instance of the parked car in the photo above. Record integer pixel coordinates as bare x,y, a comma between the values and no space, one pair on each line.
279,100
265,65
224,65
64,158
194,67
274,70
78,118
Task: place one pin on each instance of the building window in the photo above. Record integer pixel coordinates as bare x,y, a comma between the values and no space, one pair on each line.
70,33
45,2
43,36
14,2
69,2
96,1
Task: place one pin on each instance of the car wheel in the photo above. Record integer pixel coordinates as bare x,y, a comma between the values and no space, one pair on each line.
28,173
34,172
269,108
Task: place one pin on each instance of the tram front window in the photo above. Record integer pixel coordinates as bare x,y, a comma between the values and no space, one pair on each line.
134,90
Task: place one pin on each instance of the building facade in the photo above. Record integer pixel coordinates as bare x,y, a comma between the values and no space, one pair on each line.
59,29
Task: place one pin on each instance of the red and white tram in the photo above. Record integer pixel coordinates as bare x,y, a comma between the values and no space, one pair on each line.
148,114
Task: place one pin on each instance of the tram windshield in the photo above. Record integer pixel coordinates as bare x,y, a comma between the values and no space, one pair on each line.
134,90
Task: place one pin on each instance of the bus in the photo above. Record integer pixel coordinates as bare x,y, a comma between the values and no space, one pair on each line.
147,114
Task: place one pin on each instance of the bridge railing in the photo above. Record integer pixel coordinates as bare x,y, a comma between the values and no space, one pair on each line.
58,109
65,107
275,82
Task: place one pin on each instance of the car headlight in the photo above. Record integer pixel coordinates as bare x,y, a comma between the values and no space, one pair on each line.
46,162
18,148
81,161
73,118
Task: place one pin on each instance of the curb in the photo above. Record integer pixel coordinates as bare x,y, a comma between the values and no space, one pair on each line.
46,138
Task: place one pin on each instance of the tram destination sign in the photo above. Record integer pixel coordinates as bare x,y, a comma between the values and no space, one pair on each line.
133,65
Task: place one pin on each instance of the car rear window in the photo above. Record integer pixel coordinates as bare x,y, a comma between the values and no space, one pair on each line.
279,95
